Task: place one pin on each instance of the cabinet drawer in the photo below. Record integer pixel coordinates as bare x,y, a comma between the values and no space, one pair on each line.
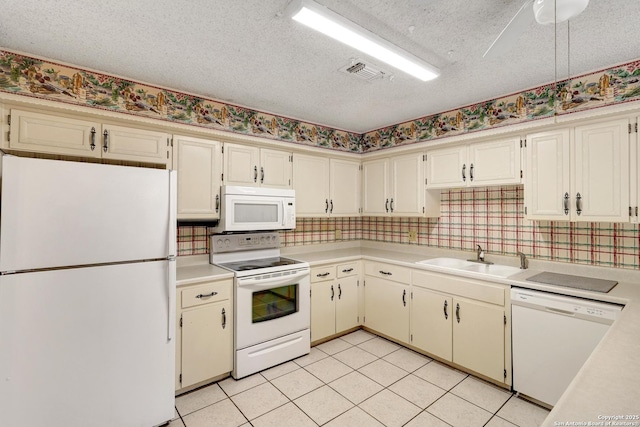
322,273
388,271
348,269
206,293
469,288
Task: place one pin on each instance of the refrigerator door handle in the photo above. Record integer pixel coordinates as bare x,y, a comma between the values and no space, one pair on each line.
171,310
173,212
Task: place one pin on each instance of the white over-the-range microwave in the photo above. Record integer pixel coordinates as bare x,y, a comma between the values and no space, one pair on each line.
256,208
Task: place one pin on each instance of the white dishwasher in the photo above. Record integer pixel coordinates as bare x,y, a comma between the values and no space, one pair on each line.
552,337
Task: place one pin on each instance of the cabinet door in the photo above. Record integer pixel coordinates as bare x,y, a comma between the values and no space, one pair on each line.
345,184
323,309
275,168
478,337
137,145
547,176
601,180
45,133
199,166
311,182
447,167
494,163
206,342
347,303
241,165
407,185
431,322
375,176
387,308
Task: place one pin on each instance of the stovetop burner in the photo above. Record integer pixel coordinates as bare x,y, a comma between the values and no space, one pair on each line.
254,264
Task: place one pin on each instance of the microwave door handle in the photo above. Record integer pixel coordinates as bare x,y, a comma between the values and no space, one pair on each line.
269,283
282,204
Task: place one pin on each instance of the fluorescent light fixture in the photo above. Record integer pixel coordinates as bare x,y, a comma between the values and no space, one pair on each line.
337,27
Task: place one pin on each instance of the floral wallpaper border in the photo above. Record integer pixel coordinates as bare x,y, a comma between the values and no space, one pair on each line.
33,77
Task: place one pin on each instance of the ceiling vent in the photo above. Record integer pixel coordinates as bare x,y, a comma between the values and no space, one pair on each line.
363,71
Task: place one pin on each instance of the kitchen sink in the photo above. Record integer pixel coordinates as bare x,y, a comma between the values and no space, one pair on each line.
494,270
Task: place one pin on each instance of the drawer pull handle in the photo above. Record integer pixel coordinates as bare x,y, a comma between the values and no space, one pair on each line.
323,274
224,318
446,315
332,293
347,270
386,273
458,312
213,293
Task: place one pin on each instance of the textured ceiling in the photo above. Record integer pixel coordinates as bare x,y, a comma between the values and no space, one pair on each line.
242,52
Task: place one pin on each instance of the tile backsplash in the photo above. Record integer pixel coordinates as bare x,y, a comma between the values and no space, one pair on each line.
490,217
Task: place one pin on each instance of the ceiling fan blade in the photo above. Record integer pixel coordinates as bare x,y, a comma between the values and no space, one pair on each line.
508,37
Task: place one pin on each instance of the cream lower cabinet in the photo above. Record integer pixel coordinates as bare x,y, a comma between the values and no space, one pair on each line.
579,174
475,165
326,187
386,298
334,299
204,333
463,321
69,136
199,165
246,165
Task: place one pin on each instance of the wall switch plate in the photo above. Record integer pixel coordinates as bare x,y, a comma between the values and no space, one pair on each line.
413,236
338,234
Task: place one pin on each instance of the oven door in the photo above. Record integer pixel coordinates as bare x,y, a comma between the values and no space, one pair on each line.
271,305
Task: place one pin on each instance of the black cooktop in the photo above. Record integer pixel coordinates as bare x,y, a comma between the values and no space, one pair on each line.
254,264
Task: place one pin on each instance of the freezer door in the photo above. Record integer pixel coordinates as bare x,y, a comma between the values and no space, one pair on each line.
87,347
57,213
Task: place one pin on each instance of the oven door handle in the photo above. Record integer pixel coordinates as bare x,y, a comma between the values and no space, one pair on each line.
271,283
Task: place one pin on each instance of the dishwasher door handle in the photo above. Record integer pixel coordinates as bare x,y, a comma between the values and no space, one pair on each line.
558,311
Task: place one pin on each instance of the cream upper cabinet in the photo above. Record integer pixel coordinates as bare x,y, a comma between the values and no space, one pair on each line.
199,165
475,165
60,134
252,166
345,184
579,174
396,186
326,187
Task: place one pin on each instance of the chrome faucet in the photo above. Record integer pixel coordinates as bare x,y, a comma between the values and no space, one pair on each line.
480,256
524,263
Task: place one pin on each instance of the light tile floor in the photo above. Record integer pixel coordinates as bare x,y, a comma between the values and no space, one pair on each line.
356,380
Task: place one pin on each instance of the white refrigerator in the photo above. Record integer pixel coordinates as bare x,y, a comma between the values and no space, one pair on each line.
87,294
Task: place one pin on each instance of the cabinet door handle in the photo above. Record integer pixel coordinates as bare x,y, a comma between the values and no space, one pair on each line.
105,144
386,273
331,203
446,315
566,203
255,174
207,295
224,318
578,204
347,270
464,172
404,297
458,312
93,139
217,202
471,172
386,205
339,291
392,204
326,205
262,174
323,274
332,293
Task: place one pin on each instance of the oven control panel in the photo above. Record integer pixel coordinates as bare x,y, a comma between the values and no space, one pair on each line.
221,243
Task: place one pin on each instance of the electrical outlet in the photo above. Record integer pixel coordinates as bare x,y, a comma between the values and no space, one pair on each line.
338,234
413,236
